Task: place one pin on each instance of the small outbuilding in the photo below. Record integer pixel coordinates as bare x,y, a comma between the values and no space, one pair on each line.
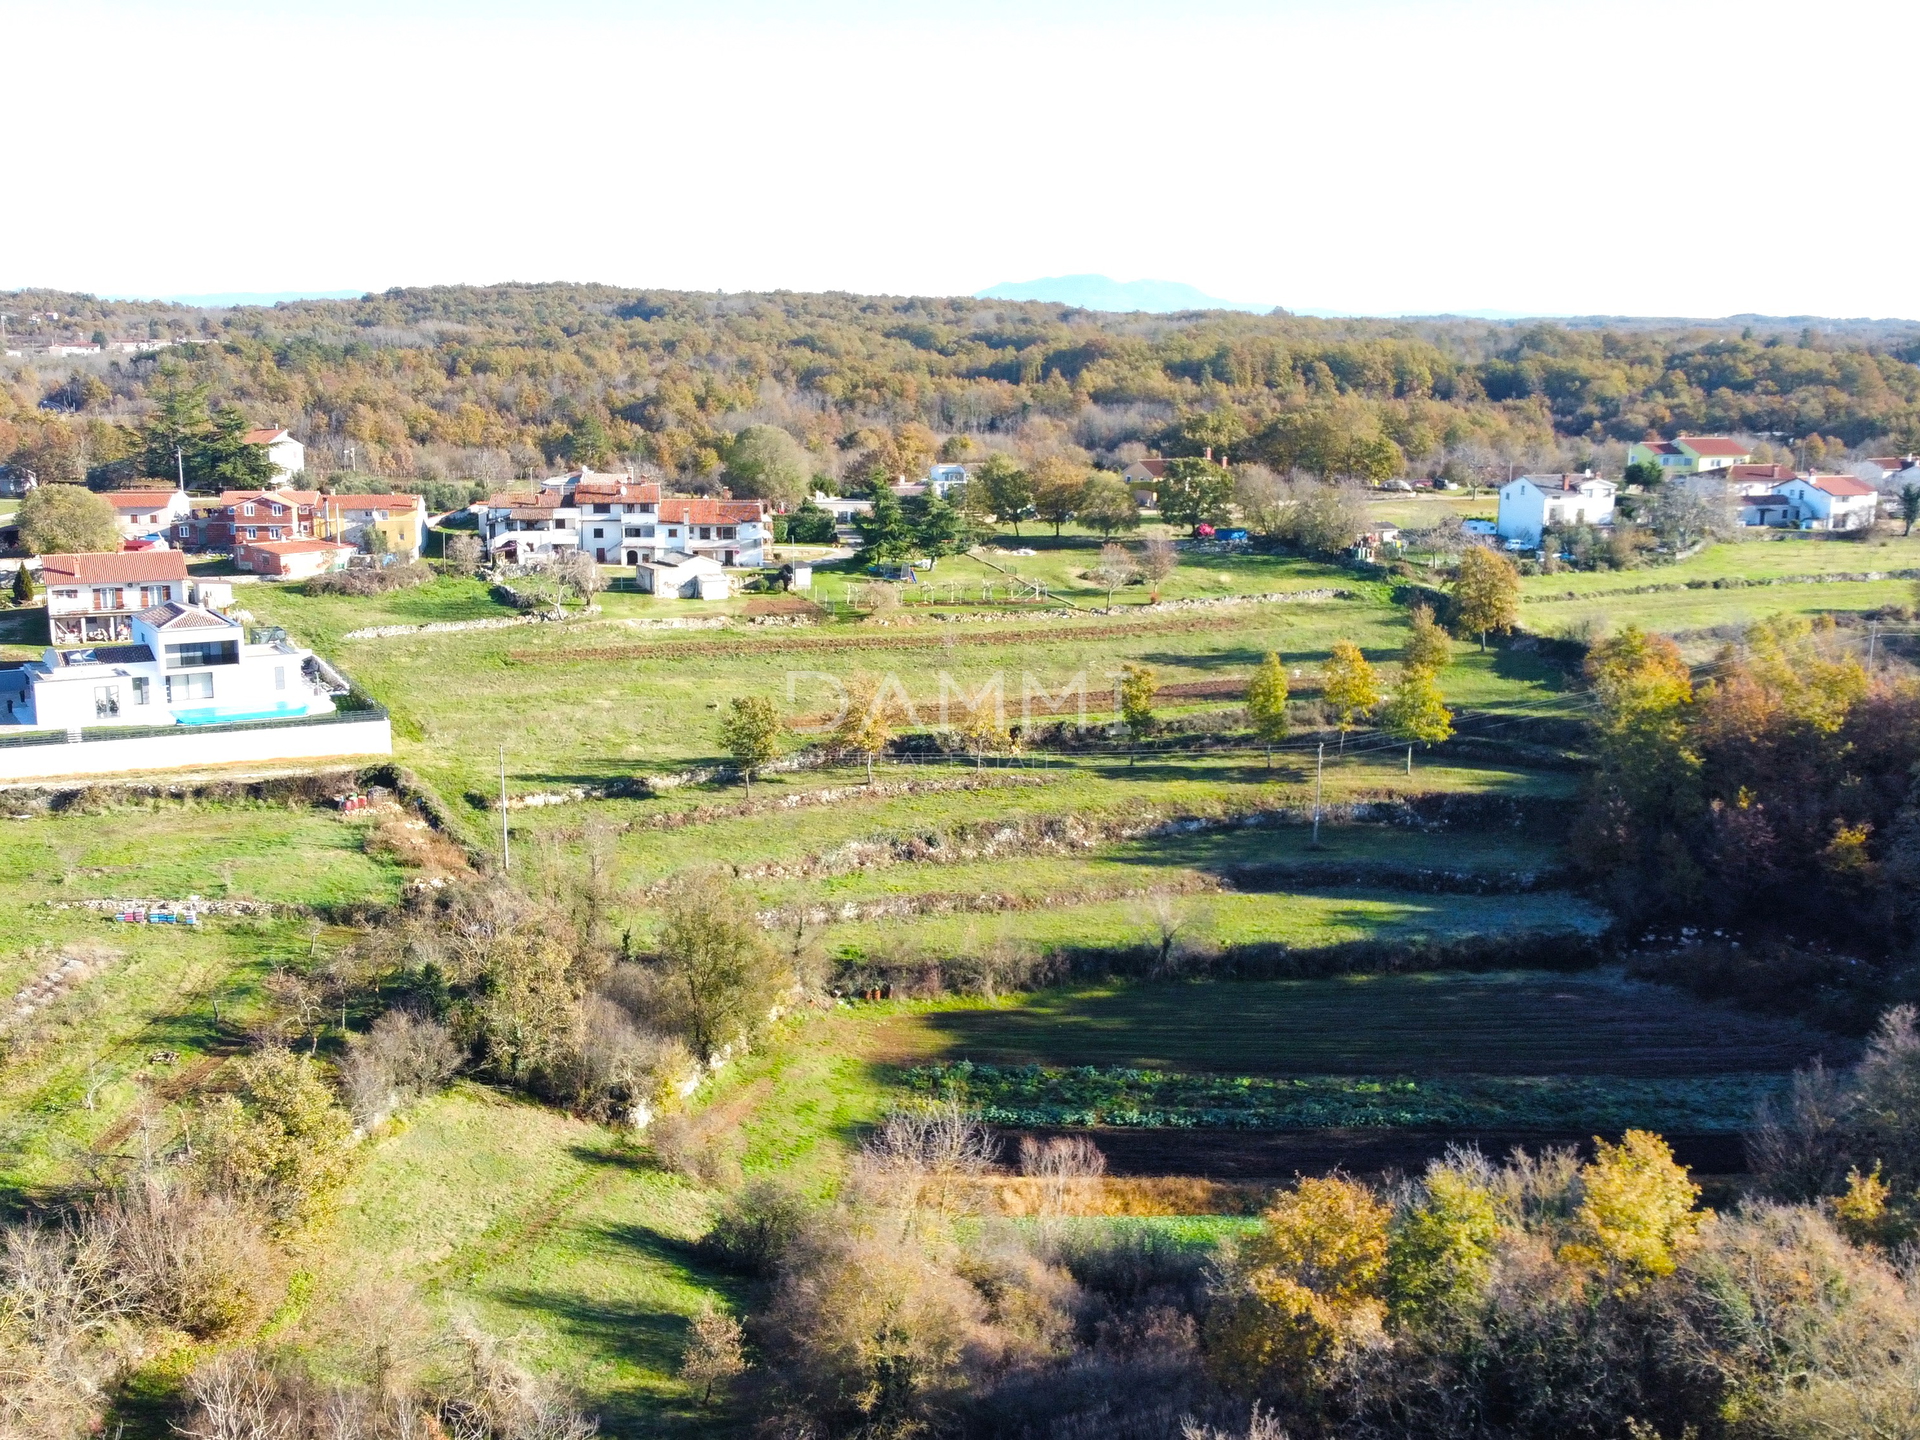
686,577
293,559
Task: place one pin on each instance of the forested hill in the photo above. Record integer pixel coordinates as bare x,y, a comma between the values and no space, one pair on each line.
487,382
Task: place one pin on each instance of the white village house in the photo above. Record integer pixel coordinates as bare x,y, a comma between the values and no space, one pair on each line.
182,665
1529,504
288,455
92,598
148,514
1829,502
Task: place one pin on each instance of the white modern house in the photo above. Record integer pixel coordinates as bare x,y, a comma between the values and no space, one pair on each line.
184,665
1829,502
288,455
143,514
92,598
1530,504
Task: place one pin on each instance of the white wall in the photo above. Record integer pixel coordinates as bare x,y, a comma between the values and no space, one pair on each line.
197,748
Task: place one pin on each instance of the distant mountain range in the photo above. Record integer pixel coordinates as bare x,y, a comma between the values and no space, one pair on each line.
1098,292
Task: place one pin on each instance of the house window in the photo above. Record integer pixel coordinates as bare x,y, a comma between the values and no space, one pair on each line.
253,531
181,531
142,689
203,652
247,509
109,599
66,594
706,532
727,532
602,510
598,533
277,510
197,686
273,532
106,701
672,533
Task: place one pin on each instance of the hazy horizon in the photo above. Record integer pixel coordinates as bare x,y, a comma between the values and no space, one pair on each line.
1431,155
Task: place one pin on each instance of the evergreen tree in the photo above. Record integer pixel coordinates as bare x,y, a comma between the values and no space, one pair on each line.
886,534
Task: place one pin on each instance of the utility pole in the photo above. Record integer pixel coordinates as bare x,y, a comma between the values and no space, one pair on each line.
506,845
180,465
1319,763
1409,759
1873,641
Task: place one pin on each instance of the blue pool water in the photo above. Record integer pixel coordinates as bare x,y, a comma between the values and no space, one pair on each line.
227,715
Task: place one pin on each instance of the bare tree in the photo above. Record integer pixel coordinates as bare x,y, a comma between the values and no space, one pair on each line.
917,1153
1064,1165
1115,569
1159,558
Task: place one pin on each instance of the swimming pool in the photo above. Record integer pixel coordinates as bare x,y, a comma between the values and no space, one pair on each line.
227,715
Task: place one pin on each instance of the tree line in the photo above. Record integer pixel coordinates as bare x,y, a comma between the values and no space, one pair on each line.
485,383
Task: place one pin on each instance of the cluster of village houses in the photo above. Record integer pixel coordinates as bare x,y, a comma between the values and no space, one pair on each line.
1776,496
136,642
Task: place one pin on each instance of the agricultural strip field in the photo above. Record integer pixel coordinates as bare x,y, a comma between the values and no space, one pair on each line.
1499,1023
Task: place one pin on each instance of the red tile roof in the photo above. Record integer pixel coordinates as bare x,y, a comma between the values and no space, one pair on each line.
711,512
375,502
1661,447
272,497
295,547
1840,485
1737,473
1711,445
633,492
140,499
510,500
173,615
264,437
125,567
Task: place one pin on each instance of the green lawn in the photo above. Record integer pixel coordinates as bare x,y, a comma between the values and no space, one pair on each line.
1300,918
1498,1023
1683,611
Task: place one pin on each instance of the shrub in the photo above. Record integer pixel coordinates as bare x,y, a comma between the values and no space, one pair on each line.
758,1225
280,1140
370,580
403,1058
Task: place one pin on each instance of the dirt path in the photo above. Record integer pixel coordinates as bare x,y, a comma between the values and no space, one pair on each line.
177,1087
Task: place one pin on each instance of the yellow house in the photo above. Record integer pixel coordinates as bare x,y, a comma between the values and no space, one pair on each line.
1689,454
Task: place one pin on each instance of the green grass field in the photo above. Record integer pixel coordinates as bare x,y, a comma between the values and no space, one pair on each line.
80,1068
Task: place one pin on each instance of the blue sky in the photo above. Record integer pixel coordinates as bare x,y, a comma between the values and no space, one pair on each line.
1383,156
